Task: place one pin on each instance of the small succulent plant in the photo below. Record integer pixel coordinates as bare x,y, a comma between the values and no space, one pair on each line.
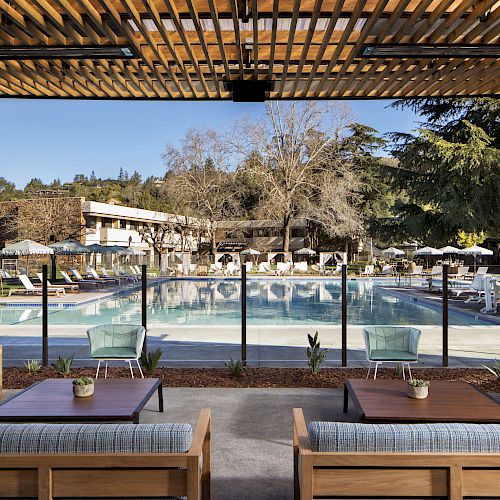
33,365
315,355
63,365
417,382
83,381
149,361
236,367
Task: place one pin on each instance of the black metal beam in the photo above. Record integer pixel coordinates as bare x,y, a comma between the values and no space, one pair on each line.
144,304
244,314
445,314
344,314
45,316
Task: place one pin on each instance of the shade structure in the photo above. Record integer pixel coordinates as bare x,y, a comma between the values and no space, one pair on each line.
450,250
197,49
102,249
26,247
393,251
69,247
428,252
250,251
476,250
305,251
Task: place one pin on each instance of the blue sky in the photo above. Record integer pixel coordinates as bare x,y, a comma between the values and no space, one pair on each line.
58,139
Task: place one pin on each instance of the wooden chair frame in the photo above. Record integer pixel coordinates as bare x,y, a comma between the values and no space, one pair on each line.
354,475
100,475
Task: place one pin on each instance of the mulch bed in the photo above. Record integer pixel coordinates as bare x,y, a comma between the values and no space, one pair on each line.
333,378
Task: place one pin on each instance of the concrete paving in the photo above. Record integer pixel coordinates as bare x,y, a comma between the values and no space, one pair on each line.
267,345
252,455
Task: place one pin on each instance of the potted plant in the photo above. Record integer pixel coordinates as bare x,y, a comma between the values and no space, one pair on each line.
83,387
418,389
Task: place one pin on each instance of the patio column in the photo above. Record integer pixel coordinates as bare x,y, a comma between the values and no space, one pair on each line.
144,305
45,316
344,314
445,314
244,314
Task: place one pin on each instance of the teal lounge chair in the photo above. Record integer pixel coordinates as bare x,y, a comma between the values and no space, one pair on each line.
391,344
116,343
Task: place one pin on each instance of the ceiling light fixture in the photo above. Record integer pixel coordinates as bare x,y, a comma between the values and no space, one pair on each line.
431,51
65,52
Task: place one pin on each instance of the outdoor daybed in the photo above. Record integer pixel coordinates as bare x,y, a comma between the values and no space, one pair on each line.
353,460
105,460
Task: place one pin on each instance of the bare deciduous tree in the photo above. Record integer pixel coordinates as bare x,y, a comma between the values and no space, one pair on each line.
295,155
199,179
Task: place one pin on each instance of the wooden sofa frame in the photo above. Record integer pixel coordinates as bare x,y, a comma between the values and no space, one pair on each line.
355,475
100,475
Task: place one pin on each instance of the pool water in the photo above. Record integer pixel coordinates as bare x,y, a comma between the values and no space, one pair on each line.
269,302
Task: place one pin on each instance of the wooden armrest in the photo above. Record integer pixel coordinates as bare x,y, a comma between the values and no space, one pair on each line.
300,431
201,432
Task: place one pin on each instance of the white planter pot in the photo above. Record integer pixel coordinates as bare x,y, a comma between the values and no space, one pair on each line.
417,392
83,391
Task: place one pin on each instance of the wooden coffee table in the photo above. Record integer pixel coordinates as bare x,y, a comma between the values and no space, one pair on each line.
386,401
52,400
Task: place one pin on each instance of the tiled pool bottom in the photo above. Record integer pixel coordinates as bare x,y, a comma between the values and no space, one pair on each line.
270,301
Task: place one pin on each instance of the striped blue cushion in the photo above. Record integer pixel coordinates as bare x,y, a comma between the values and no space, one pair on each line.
448,438
95,438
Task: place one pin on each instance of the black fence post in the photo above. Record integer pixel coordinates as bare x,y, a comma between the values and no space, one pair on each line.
144,304
344,314
53,267
445,314
244,314
45,316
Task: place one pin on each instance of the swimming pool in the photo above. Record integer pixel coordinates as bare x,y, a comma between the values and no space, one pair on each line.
277,301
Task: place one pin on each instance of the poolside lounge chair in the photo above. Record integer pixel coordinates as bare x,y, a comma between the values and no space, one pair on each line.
301,267
369,270
5,275
417,271
387,270
151,274
216,269
30,288
435,271
92,273
391,344
462,271
116,343
81,282
124,275
72,288
481,271
232,269
283,268
80,278
249,266
264,268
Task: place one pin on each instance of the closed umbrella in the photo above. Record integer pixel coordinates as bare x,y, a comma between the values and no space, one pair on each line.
26,248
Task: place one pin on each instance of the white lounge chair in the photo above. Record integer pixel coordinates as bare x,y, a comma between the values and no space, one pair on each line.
435,271
369,270
92,274
283,268
216,269
264,268
417,271
387,270
462,271
81,280
249,266
73,288
301,267
29,288
231,269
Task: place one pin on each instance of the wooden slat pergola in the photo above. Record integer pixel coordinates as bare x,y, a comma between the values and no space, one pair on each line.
191,49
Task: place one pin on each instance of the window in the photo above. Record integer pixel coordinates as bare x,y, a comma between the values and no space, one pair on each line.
122,224
90,222
298,233
107,223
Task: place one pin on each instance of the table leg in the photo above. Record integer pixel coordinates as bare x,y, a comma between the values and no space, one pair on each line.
160,398
346,399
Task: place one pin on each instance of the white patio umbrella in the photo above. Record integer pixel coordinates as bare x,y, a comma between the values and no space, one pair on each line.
475,251
428,252
305,251
392,251
449,250
26,248
250,251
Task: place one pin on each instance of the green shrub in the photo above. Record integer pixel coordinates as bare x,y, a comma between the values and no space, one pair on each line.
315,355
416,382
83,381
33,365
236,367
63,365
149,361
495,368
